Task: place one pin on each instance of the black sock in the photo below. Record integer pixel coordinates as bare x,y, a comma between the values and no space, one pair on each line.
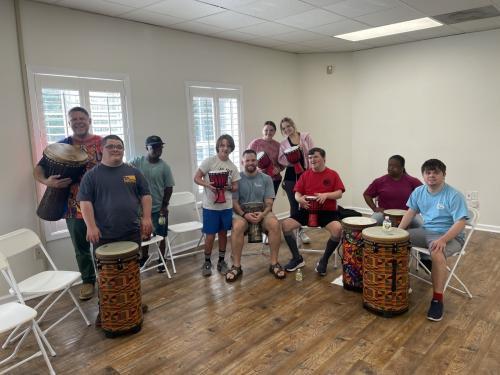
331,245
207,258
222,254
292,244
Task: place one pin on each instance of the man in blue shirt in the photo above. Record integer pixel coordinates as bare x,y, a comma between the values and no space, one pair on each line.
444,212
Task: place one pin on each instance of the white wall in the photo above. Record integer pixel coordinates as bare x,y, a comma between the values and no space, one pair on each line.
17,203
430,99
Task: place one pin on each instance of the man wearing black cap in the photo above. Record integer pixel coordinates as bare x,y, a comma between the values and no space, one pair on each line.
161,183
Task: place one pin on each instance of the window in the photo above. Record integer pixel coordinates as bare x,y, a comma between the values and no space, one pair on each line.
52,95
213,110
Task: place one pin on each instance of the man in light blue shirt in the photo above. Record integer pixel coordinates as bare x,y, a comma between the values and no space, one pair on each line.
444,212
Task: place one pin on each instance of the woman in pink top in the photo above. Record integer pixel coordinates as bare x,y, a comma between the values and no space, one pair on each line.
391,190
271,148
305,143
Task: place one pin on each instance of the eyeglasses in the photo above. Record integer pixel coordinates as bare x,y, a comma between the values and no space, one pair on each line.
116,147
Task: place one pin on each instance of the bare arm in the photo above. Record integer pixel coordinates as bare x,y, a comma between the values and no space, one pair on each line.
167,193
93,232
371,203
407,218
198,180
322,197
54,181
146,223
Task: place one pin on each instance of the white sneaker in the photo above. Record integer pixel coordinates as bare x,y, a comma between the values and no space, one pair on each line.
304,237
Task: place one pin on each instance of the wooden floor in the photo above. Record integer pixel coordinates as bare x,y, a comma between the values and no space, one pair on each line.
199,325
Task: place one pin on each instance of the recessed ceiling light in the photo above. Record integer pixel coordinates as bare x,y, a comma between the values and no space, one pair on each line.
395,28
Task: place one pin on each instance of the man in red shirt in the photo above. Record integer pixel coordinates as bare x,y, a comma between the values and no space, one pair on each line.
324,184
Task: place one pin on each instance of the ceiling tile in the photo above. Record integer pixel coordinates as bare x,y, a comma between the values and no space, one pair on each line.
228,4
235,35
152,18
96,6
198,27
356,8
433,7
434,32
297,48
273,9
389,16
311,18
479,25
321,3
133,3
341,27
266,42
187,9
267,29
230,20
297,36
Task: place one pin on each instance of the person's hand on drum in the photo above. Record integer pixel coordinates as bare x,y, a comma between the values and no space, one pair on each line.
321,197
303,202
254,217
276,171
55,181
146,227
211,187
93,234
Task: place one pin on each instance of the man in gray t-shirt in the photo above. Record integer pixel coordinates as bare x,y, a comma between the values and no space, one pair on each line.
254,187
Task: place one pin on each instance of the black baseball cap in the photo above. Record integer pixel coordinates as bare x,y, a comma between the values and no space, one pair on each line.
154,140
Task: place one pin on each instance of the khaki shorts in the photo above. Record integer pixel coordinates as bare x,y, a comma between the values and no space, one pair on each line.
265,221
420,237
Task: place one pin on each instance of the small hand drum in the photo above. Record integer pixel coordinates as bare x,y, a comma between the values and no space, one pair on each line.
264,163
219,180
293,157
314,207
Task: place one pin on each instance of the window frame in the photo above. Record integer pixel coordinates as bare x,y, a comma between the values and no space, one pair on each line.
54,230
212,86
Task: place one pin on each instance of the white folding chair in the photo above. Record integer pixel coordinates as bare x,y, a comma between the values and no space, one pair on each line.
51,283
155,241
188,200
417,252
16,314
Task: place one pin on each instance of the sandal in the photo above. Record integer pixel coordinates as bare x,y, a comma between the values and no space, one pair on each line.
277,270
235,273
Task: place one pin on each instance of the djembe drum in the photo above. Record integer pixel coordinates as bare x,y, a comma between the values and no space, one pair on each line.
254,230
119,288
293,155
67,161
385,271
395,216
314,208
264,163
219,180
352,249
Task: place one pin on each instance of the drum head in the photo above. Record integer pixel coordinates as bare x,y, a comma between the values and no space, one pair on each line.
310,197
260,154
394,212
63,152
379,235
117,250
358,221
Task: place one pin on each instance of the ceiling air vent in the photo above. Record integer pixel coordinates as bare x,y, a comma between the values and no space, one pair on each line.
468,15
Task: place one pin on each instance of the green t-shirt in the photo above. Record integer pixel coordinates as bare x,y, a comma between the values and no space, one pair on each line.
158,175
